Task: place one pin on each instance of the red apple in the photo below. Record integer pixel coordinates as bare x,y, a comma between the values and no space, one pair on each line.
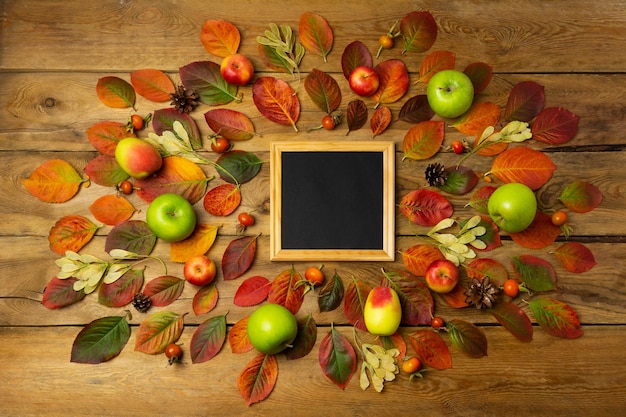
237,69
442,276
137,157
200,270
364,81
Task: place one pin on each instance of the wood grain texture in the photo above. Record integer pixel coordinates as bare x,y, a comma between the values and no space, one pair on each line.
52,52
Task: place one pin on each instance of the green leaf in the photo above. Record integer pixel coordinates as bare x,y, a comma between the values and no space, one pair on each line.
514,319
101,340
133,235
204,77
115,92
208,339
337,358
323,90
305,339
459,180
331,294
468,338
556,317
536,273
238,167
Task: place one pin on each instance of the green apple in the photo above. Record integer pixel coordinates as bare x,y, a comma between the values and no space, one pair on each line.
382,312
171,217
512,207
450,93
137,157
271,328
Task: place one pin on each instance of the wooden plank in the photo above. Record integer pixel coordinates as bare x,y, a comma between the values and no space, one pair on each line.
537,378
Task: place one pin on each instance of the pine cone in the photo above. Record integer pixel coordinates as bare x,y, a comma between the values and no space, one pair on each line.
141,302
183,100
482,294
435,174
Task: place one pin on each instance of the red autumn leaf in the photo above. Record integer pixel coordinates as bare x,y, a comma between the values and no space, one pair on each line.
556,317
555,126
514,319
467,337
205,299
536,273
337,358
480,197
417,258
416,110
323,90
54,181
60,293
220,38
435,62
276,101
71,232
431,349
285,290
491,150
163,119
479,117
455,298
158,331
115,92
222,200
257,380
425,207
394,81
104,136
152,84
525,102
523,165
486,267
305,339
208,339
104,170
380,120
423,140
354,302
395,341
419,31
581,196
480,73
539,234
415,297
459,180
238,256
575,257
204,78
112,209
164,290
491,237
356,115
177,175
238,337
355,55
252,291
315,34
230,124
122,291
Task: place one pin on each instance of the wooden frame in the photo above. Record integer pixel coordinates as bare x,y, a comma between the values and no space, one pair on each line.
383,252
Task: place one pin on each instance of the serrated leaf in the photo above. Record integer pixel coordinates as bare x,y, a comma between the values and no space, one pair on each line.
104,170
331,294
423,140
380,120
575,257
134,236
276,101
238,256
222,200
354,303
525,102
480,116
231,124
238,167
115,92
524,165
356,115
425,207
419,31
468,338
480,73
337,358
238,337
555,126
112,209
54,181
394,81
71,233
164,290
177,175
152,84
323,90
355,55
101,340
220,37
305,339
417,258
434,62
199,243
205,299
104,136
514,319
286,291
536,273
316,35
257,380
415,298
581,196
158,331
204,78
559,319
252,291
208,339
122,291
60,293
431,349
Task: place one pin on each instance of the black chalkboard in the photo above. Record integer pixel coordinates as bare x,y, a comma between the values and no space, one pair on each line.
332,200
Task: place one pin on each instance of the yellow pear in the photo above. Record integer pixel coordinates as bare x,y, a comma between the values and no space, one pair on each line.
382,311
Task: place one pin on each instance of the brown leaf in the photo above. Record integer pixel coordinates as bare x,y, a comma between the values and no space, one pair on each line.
356,115
238,257
276,101
258,378
380,120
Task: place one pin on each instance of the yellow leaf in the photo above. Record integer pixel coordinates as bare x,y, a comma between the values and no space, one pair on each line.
198,243
54,181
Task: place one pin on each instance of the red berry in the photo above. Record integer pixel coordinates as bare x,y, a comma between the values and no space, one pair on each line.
126,187
436,323
457,147
328,122
511,288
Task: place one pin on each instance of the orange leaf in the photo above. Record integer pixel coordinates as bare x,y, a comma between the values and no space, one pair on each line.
54,181
539,234
431,349
394,81
177,175
286,292
258,378
158,331
575,257
197,244
423,140
480,116
220,38
152,84
112,209
276,101
523,165
205,299
435,62
417,258
71,233
238,337
483,267
380,120
492,150
115,92
104,136
222,200
315,34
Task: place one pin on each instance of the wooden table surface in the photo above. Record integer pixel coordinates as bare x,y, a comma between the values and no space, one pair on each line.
53,52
